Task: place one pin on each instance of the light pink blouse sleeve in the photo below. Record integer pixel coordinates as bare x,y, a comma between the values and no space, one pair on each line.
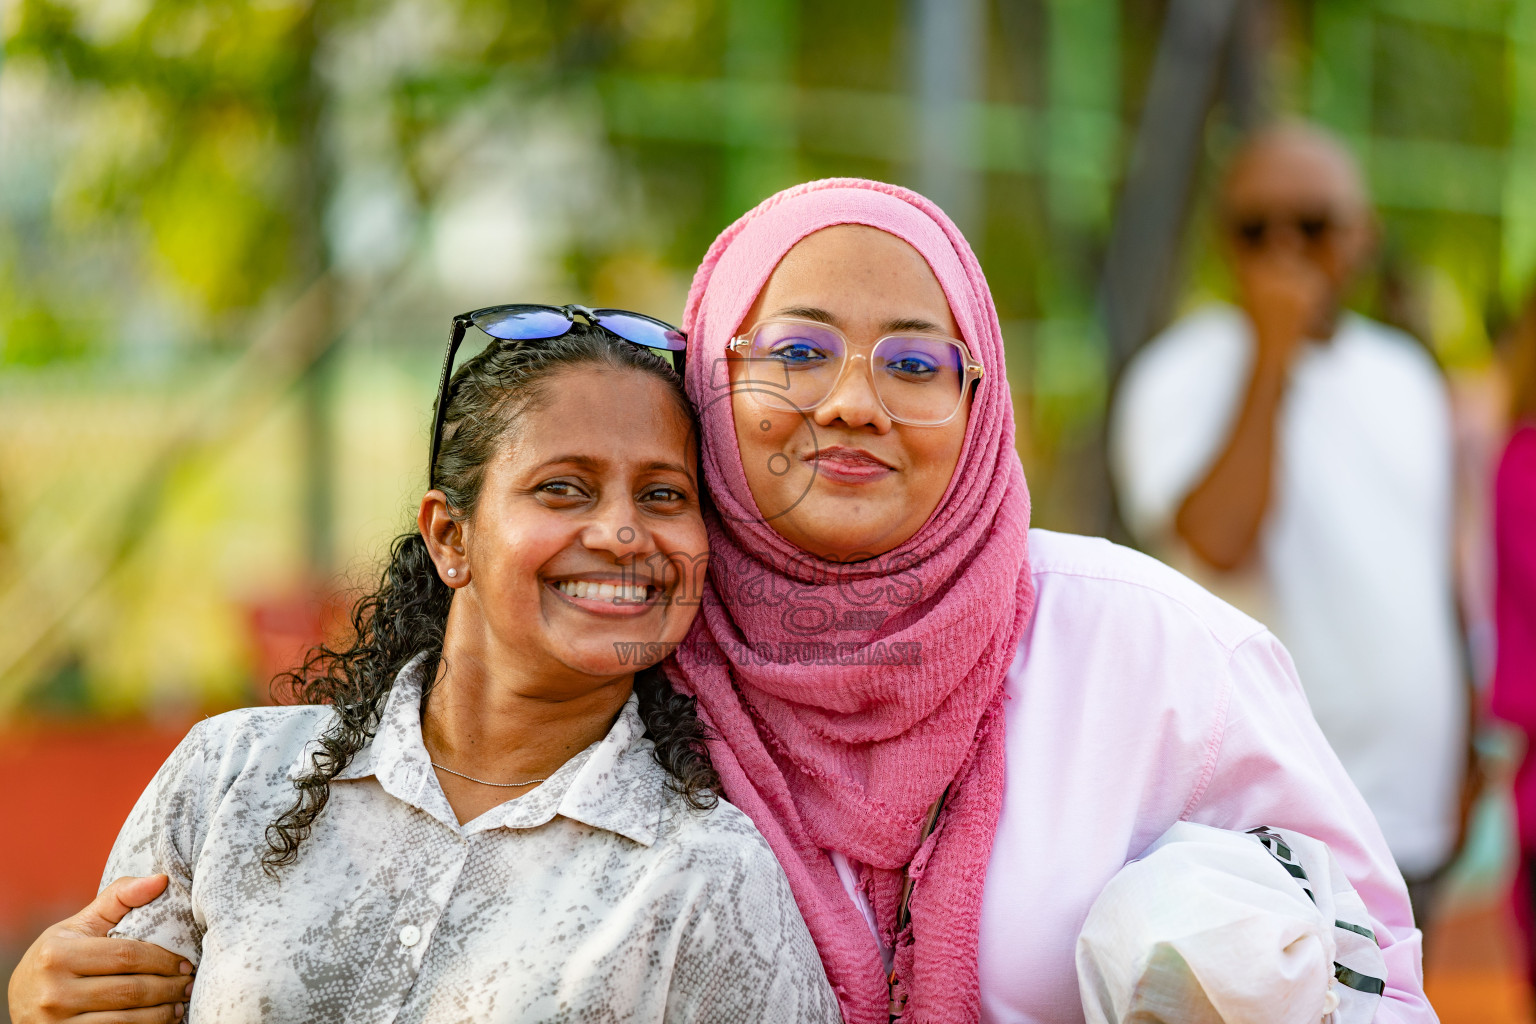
1273,767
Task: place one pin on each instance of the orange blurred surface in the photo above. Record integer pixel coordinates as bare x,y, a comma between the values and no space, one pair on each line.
67,790
1472,969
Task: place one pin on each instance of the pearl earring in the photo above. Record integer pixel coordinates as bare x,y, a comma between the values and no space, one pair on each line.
453,572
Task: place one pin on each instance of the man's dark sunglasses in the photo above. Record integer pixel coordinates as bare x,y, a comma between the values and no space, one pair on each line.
528,322
1254,231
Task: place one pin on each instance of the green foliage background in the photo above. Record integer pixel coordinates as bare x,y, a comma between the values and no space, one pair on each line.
178,177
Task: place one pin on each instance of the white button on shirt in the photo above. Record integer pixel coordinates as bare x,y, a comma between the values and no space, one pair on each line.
598,896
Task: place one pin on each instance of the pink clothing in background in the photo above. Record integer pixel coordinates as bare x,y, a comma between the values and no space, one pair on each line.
842,751
1514,680
1137,700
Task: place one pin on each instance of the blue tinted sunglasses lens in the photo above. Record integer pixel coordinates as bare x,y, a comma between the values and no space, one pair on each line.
523,324
641,330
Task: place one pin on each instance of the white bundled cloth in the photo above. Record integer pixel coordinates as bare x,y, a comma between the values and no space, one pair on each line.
1217,927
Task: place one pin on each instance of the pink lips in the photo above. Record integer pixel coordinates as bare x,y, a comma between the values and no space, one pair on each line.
848,465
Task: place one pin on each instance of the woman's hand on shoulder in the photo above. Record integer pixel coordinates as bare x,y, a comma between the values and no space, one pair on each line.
73,972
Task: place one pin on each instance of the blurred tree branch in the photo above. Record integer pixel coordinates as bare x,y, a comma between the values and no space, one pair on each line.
223,176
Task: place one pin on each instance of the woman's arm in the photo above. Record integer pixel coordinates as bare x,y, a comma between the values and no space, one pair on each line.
74,969
1274,767
163,836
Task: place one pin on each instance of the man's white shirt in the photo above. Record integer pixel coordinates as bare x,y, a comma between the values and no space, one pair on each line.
1354,562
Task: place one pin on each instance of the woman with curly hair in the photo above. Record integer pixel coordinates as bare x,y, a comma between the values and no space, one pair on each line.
481,810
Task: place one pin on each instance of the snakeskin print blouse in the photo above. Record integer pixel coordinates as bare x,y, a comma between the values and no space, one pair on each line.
598,897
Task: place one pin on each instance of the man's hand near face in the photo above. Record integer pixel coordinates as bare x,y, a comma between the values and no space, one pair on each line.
1297,229
1287,299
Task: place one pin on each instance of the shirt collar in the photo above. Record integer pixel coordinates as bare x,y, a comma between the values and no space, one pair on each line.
614,784
618,786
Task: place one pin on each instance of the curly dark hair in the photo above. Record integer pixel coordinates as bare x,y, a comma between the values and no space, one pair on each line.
406,615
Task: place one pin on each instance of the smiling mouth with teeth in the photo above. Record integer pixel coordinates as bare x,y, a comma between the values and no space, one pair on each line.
619,593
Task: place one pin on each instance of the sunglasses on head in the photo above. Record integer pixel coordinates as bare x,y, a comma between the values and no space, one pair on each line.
1255,230
532,322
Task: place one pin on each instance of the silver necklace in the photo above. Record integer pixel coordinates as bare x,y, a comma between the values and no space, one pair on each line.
498,785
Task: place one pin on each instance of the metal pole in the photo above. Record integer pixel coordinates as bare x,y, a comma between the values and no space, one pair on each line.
1206,47
951,58
311,253
1140,269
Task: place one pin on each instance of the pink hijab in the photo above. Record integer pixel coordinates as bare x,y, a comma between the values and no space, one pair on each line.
837,731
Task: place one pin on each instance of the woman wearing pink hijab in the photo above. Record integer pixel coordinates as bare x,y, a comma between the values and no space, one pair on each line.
882,638
952,730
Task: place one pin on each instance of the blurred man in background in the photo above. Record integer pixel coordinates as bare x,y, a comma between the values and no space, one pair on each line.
1297,458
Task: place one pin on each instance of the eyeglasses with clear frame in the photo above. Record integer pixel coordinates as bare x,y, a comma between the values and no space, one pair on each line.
919,379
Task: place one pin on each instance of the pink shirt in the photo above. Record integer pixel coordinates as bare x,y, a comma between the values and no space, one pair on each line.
1137,700
1514,679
